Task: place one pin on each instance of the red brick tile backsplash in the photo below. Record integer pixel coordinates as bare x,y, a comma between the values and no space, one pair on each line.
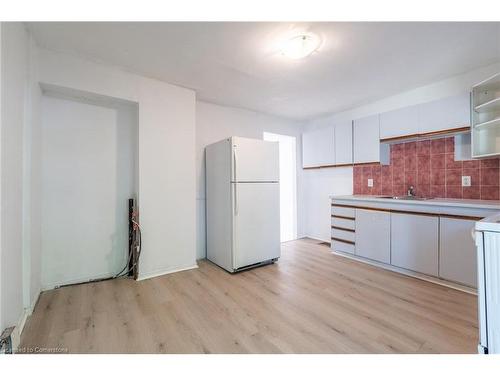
430,166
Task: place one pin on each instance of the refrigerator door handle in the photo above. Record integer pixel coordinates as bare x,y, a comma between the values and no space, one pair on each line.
235,199
235,183
234,165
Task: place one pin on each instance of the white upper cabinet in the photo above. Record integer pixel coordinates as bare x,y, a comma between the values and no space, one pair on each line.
358,141
318,148
398,123
366,133
448,113
343,142
444,114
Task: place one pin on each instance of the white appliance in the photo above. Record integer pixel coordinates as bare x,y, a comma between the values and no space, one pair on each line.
488,261
243,203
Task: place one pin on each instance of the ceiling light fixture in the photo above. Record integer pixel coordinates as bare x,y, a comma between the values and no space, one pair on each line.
300,46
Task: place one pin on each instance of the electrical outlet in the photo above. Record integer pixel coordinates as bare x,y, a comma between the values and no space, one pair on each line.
466,181
370,182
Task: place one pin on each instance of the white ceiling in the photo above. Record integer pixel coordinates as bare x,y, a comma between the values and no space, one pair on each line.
239,64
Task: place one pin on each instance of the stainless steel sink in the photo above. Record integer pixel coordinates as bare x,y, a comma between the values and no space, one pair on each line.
405,198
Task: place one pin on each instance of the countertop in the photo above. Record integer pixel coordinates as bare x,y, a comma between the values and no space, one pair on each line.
440,202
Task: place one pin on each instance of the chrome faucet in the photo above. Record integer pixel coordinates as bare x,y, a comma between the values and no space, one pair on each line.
411,191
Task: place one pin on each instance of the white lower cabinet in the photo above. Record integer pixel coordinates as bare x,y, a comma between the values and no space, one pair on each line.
373,235
414,242
431,244
457,251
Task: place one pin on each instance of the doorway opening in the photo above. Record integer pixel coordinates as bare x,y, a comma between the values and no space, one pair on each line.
288,184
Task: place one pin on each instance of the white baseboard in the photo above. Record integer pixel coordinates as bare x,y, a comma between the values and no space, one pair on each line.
54,285
156,273
34,302
142,276
315,238
19,328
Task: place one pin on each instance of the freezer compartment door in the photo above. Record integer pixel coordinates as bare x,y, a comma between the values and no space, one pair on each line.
256,223
254,160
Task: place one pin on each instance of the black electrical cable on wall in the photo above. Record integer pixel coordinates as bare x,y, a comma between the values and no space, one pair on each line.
139,248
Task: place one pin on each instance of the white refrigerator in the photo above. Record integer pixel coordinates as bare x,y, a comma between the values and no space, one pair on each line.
242,203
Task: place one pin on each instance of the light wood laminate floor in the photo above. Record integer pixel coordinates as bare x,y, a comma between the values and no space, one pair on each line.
311,301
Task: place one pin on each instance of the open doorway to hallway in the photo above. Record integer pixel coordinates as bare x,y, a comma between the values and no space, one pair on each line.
288,184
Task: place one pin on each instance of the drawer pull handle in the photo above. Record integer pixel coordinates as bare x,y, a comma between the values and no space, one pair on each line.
345,229
343,217
341,240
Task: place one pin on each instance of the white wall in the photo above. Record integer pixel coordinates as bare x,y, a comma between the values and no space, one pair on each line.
20,272
166,153
14,45
319,184
31,192
88,154
1,159
215,122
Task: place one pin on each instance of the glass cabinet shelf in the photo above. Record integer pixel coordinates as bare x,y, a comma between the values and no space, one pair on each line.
491,105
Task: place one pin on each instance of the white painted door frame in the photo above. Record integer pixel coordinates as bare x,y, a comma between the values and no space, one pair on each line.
288,184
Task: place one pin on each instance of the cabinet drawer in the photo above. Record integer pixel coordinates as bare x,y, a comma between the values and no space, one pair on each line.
342,246
343,234
344,211
343,223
